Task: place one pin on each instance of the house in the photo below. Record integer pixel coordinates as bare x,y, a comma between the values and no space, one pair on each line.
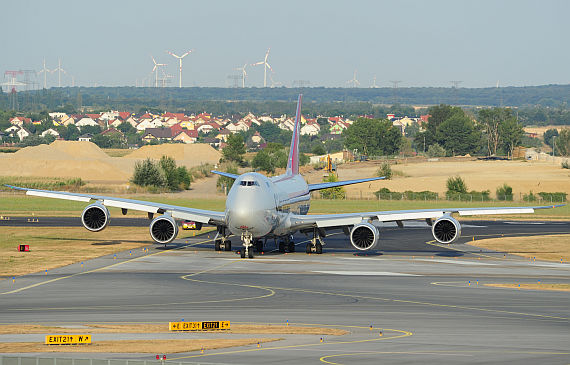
186,123
207,127
310,129
111,131
214,142
109,115
115,123
85,121
87,137
338,127
239,126
160,134
65,120
51,132
11,131
20,121
186,136
425,118
287,124
22,133
223,135
149,123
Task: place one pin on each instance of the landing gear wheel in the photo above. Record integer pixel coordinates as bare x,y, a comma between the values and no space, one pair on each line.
242,253
308,248
217,245
318,248
291,247
250,253
227,246
281,246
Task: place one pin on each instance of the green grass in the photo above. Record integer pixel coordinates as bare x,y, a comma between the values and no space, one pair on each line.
19,204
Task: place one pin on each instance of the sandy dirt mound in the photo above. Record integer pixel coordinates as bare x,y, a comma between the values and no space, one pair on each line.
186,154
66,159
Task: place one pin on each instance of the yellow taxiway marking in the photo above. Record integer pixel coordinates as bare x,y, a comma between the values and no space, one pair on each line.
436,352
325,343
99,269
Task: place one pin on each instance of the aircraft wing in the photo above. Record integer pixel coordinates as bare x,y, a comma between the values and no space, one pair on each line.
327,185
226,174
197,215
348,219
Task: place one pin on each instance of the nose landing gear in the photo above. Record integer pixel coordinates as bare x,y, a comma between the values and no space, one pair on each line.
247,250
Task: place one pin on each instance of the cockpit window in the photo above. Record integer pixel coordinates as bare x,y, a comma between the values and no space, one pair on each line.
248,183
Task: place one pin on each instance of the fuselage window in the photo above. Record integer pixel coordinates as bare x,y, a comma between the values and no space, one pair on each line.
248,183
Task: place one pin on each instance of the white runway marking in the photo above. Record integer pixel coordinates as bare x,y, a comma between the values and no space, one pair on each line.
526,223
364,273
456,262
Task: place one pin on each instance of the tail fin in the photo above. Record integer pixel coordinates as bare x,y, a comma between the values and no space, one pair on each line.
293,161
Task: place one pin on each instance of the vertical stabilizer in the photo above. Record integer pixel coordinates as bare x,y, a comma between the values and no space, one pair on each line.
293,161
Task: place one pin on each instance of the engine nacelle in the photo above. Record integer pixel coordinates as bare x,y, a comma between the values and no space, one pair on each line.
163,229
364,236
95,217
446,229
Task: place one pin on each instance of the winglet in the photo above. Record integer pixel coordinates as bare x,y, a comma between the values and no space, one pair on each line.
293,161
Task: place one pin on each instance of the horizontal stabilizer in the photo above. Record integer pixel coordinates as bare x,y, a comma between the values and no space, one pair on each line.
327,185
226,174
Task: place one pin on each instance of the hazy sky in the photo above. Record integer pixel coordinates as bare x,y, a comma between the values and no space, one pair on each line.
421,43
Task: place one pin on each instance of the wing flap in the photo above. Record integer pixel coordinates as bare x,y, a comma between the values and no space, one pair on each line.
346,219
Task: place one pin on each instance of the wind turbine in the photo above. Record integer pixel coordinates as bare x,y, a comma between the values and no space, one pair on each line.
45,70
180,64
374,86
354,82
155,70
59,70
243,74
265,67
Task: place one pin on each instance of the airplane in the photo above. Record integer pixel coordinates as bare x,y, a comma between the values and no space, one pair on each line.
260,207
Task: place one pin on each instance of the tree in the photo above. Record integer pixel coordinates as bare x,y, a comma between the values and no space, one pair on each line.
147,173
456,185
562,143
491,120
333,193
549,134
458,135
511,132
318,149
225,183
271,157
234,149
435,150
373,137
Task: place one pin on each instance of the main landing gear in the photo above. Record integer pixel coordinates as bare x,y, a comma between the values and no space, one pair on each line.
247,250
316,244
287,244
223,243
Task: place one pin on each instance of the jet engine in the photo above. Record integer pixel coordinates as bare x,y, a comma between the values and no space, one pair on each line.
364,236
163,229
95,217
446,229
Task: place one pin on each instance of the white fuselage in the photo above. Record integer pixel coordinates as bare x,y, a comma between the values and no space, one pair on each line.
259,205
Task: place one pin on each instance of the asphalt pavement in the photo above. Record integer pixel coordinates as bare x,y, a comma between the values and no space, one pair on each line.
430,301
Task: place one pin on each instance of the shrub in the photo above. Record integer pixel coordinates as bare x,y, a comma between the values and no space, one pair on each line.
161,175
386,194
435,150
565,164
530,197
456,185
470,196
505,192
385,170
553,197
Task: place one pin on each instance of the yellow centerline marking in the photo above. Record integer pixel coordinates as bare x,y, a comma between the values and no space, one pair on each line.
326,343
100,268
